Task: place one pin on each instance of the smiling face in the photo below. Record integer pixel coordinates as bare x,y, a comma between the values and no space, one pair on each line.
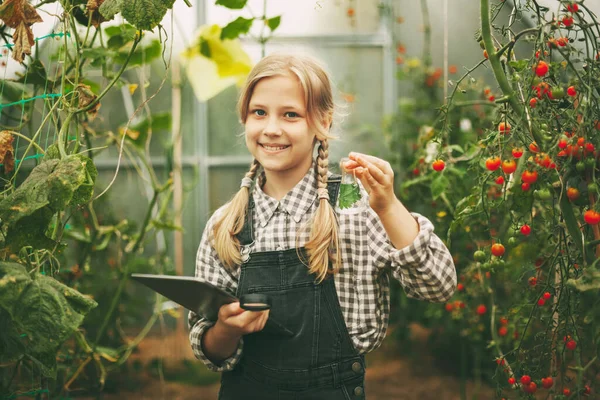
277,130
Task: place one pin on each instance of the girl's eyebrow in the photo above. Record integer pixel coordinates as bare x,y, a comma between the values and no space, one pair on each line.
283,107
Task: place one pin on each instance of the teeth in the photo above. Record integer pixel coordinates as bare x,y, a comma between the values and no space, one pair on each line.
274,148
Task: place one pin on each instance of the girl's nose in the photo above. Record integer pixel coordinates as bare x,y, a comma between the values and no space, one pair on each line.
272,127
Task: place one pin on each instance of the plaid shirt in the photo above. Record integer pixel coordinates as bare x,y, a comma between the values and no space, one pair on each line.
424,268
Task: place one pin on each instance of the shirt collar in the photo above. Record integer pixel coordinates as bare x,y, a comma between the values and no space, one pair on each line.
296,202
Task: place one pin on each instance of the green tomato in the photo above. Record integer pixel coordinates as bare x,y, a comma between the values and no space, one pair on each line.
517,78
479,255
580,166
542,194
512,240
592,188
590,162
557,93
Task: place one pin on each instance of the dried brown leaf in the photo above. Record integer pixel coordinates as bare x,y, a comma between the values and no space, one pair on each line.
20,15
86,97
93,8
6,151
23,40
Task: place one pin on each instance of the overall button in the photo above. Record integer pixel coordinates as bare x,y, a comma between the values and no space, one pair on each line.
356,367
358,391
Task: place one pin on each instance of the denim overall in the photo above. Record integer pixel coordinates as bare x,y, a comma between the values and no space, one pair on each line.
319,361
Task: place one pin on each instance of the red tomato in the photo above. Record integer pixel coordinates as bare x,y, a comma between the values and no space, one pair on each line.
541,68
499,180
509,166
517,152
533,102
547,295
502,331
572,193
438,165
493,163
567,20
571,345
498,249
532,387
562,144
567,391
525,379
533,147
591,217
526,230
547,382
512,381
481,309
460,287
571,91
532,281
504,127
541,302
529,176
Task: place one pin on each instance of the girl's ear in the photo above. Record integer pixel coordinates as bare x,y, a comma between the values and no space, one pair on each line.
326,123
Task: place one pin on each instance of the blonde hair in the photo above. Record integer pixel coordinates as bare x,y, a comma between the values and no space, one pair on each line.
323,244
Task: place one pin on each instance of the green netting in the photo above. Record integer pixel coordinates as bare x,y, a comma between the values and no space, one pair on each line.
22,102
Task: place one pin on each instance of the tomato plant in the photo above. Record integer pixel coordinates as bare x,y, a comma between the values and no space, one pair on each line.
527,245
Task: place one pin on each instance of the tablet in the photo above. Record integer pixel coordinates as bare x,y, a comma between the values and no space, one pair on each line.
203,298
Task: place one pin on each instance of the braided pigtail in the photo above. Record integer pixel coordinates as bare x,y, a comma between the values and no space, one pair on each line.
324,236
231,222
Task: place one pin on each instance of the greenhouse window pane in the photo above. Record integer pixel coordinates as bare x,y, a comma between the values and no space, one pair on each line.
309,17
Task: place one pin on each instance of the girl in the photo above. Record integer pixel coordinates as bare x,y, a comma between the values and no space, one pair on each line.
325,271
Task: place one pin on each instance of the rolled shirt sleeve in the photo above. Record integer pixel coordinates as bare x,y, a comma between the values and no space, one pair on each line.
199,326
209,269
424,268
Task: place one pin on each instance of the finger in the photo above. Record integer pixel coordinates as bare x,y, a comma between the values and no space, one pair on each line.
375,171
381,164
368,180
230,310
350,165
248,318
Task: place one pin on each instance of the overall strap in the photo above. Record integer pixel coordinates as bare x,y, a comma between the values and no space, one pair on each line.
333,187
246,235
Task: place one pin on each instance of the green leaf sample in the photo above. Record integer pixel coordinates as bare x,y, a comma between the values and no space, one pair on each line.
349,194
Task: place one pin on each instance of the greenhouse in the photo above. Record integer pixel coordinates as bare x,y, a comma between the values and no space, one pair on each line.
316,199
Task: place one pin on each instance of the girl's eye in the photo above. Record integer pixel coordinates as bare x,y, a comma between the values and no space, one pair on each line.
260,113
291,114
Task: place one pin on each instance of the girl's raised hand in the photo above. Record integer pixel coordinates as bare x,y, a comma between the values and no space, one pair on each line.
377,177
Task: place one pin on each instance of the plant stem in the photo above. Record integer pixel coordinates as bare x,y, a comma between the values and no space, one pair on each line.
136,41
499,74
124,278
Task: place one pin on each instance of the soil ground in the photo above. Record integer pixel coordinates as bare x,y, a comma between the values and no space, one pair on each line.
390,376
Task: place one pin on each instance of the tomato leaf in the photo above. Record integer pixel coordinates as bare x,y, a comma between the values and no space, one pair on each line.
518,65
236,28
145,14
233,4
110,8
41,311
50,187
274,22
439,186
